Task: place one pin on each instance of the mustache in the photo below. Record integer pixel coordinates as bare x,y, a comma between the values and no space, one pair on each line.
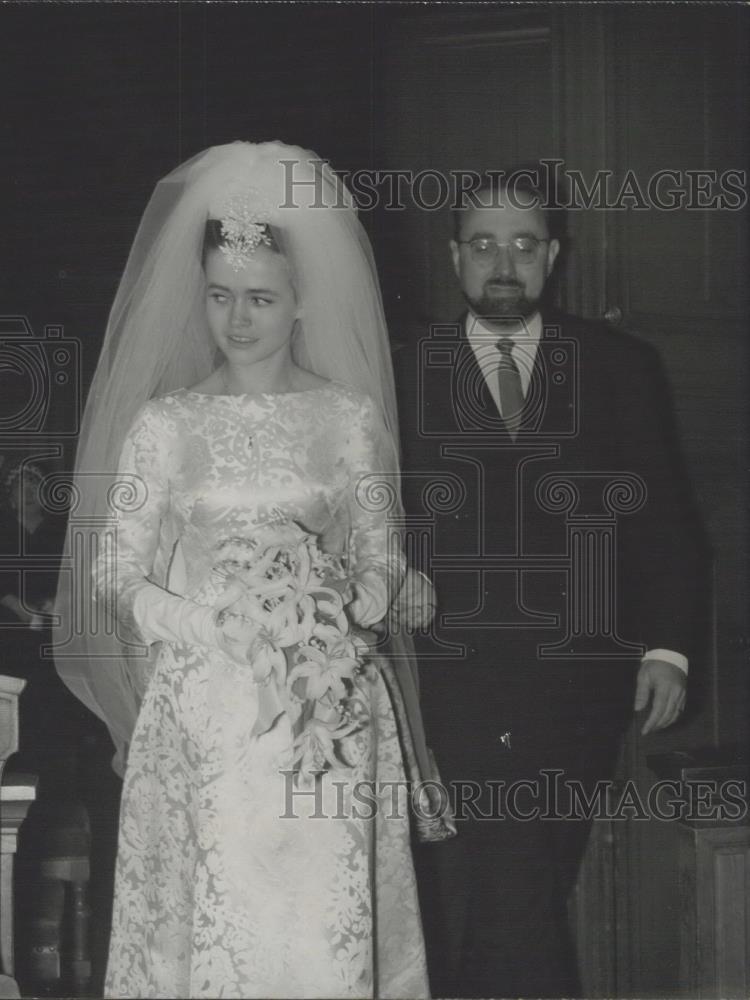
499,283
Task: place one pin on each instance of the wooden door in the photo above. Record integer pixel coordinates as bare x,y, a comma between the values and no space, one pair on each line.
461,92
678,279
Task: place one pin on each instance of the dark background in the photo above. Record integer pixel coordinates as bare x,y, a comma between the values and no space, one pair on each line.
101,100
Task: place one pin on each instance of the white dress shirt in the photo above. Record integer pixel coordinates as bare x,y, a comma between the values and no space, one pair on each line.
483,341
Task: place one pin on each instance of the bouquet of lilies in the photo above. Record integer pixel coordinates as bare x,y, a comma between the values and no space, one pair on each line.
308,661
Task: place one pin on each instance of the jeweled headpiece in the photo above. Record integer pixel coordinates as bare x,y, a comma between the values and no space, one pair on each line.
244,218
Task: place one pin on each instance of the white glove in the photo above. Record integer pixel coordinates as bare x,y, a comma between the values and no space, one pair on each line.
235,635
164,616
170,618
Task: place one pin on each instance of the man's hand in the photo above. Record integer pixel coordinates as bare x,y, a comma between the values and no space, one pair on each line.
664,685
414,607
370,599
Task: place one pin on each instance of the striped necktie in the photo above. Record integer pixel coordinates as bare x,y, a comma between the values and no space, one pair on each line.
511,391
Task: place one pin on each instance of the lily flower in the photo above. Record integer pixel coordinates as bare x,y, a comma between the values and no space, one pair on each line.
314,749
325,669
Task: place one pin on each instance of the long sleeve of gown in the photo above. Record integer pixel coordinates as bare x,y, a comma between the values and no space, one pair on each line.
373,500
145,612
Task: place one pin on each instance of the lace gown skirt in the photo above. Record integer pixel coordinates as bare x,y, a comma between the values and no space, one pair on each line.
231,881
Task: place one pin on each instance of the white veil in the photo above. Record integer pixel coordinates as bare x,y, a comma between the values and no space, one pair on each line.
157,341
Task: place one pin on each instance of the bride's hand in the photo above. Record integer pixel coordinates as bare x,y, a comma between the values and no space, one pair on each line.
235,635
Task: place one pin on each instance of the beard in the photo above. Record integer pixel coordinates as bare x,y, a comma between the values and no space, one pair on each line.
506,304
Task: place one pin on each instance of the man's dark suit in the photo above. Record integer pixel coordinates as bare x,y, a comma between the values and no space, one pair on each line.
597,414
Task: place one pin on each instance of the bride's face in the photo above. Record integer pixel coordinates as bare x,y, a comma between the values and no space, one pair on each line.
251,312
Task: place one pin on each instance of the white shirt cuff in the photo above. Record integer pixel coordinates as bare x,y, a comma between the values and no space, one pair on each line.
669,656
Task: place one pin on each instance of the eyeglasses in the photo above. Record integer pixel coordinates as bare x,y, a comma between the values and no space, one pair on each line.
523,249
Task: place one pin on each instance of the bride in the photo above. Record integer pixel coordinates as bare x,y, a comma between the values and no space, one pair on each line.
245,381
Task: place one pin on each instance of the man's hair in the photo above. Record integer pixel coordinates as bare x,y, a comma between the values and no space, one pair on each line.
519,183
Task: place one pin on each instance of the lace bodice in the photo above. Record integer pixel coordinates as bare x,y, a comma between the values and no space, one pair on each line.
205,468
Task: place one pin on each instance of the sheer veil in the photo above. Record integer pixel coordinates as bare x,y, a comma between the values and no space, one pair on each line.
156,341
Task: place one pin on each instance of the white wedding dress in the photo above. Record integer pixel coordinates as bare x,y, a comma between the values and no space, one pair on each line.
226,885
